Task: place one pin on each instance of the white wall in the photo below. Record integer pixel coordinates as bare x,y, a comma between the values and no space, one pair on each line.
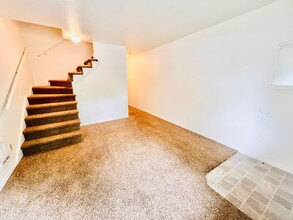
12,121
102,94
58,61
216,83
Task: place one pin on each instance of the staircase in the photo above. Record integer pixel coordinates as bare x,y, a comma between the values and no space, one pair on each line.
52,120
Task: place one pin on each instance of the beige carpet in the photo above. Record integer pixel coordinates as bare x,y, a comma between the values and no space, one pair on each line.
136,168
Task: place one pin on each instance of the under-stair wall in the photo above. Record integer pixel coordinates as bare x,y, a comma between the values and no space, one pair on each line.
102,93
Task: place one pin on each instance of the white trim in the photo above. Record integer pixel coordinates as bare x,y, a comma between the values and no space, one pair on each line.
214,139
4,180
112,119
174,123
19,153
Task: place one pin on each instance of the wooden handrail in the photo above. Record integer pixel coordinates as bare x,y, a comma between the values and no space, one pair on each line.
10,93
51,48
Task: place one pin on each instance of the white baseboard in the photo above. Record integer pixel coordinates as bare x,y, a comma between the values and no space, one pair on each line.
141,109
106,120
266,160
186,128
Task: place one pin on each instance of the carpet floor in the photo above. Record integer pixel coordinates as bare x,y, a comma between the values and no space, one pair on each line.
136,168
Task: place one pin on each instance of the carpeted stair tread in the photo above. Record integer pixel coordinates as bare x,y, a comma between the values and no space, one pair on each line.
52,90
54,104
65,83
37,143
76,73
50,87
51,107
90,60
49,98
85,66
37,128
37,96
79,68
52,117
51,129
30,143
58,80
52,114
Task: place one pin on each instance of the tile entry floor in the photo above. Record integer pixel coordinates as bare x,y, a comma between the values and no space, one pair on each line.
259,190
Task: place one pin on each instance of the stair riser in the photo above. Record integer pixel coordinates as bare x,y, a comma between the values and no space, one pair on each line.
50,100
51,132
65,84
44,121
53,145
51,109
53,91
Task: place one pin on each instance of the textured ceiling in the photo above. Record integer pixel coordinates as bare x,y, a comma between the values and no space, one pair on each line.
138,24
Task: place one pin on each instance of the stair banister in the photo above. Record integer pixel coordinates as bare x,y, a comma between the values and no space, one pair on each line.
45,52
11,90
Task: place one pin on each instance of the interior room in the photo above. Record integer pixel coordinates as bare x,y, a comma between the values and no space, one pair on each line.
142,109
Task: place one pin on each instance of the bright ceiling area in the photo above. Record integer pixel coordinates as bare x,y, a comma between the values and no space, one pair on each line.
140,25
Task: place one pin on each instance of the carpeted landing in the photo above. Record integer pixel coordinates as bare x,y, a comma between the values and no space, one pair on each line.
136,168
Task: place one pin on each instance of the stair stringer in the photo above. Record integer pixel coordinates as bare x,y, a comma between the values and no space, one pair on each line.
85,71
